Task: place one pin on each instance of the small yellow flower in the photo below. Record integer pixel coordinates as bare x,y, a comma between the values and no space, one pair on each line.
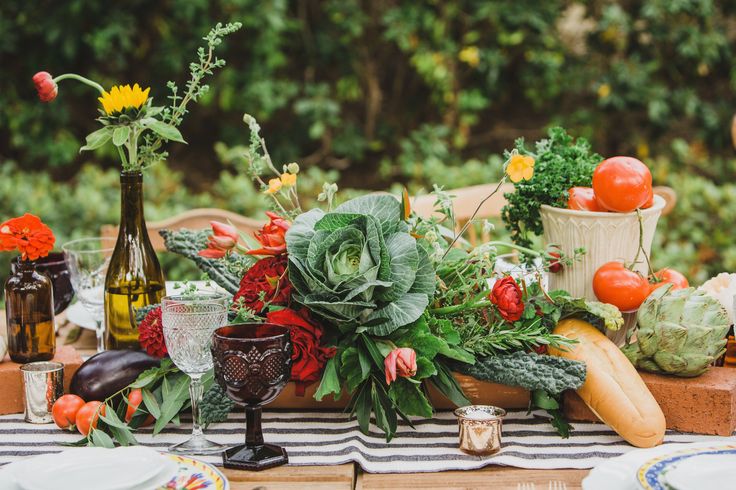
470,55
274,185
604,91
122,97
288,180
520,167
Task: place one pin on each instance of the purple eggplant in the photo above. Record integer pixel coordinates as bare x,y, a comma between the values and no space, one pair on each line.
108,372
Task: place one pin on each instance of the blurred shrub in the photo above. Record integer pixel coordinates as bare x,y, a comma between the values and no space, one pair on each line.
366,85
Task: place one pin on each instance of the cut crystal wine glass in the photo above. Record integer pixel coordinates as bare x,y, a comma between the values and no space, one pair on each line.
87,260
188,323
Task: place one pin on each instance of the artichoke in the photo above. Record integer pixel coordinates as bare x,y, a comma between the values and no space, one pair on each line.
680,332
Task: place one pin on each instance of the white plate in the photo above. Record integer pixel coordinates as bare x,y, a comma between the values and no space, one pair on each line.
78,314
92,468
691,470
621,473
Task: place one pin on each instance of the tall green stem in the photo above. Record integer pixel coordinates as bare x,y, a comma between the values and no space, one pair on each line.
86,81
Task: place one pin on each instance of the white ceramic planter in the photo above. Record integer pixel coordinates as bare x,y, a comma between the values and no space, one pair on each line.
604,236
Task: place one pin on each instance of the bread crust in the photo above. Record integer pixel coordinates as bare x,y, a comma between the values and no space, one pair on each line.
613,389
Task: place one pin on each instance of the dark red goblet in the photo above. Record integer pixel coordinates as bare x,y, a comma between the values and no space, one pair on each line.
252,365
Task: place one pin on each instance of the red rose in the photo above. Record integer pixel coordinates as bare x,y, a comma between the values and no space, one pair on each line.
309,355
45,86
266,282
272,236
223,239
151,334
400,362
506,295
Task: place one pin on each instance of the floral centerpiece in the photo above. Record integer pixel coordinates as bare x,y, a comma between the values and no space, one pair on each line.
383,304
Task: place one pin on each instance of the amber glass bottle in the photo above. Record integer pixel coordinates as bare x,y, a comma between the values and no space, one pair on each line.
134,278
29,308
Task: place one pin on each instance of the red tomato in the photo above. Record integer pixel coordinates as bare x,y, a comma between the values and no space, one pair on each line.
621,287
135,398
669,276
622,184
64,411
650,201
87,417
583,199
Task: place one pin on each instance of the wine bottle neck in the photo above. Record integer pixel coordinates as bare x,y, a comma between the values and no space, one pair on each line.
131,208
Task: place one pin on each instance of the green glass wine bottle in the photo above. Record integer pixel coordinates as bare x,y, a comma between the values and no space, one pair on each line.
134,278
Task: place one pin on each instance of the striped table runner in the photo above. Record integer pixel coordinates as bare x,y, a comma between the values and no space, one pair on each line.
325,438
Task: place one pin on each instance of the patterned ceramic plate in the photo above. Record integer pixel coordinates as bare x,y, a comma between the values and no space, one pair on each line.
195,475
652,474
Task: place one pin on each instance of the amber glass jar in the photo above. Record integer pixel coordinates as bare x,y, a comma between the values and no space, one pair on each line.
134,278
29,312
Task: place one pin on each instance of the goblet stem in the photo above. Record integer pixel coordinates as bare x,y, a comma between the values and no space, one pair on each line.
253,430
196,390
100,332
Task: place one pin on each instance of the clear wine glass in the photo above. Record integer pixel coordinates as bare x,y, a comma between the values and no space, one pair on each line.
87,260
189,321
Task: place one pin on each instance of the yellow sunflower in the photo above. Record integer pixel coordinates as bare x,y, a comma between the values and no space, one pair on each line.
122,97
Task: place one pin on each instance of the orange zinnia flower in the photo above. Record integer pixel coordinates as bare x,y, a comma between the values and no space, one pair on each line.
29,235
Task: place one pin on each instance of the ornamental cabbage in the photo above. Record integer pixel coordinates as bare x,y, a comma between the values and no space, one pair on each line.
358,266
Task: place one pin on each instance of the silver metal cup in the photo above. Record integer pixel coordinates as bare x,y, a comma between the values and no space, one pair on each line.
43,383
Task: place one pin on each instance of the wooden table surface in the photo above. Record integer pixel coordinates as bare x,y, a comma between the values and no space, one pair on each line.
351,476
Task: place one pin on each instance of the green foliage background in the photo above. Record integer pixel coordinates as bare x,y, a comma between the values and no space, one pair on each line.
382,92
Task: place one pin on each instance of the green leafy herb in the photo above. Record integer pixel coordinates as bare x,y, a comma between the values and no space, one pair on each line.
560,163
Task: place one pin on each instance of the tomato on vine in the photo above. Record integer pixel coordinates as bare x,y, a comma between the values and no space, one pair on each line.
622,184
583,199
668,276
615,284
64,411
87,417
135,398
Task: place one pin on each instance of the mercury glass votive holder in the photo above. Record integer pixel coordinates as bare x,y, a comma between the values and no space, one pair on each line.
480,429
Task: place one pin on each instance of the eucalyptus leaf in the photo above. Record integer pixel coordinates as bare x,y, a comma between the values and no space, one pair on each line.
100,439
173,401
151,404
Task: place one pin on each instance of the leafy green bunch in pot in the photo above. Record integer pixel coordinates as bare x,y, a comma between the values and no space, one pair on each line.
359,270
138,130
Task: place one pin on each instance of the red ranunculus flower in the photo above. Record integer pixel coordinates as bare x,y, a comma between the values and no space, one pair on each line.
309,355
272,236
402,362
267,276
223,239
151,334
27,234
45,86
506,295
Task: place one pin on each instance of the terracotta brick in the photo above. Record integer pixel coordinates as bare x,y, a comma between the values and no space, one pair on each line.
702,405
11,381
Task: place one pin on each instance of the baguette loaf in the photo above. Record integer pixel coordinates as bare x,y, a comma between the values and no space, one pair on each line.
613,389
